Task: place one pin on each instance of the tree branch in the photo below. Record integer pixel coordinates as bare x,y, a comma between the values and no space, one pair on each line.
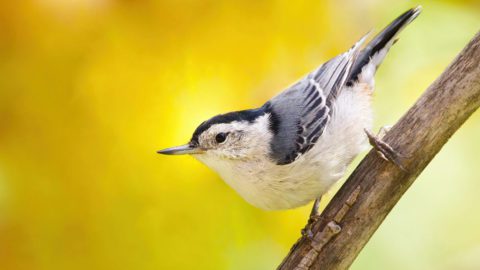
373,189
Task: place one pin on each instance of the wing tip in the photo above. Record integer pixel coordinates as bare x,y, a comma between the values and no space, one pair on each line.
383,40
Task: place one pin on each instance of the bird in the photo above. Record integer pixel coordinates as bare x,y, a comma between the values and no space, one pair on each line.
293,148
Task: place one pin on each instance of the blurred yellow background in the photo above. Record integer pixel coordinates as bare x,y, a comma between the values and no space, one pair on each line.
89,90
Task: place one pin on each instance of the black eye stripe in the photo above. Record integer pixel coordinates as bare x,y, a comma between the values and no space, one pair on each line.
221,137
246,115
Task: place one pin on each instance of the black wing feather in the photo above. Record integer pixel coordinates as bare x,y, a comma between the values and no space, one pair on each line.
300,113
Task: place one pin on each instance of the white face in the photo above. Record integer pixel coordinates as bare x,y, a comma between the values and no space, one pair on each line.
238,140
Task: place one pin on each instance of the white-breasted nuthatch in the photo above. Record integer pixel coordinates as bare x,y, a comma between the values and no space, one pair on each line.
292,149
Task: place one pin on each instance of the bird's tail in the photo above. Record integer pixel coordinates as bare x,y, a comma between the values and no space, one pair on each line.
373,54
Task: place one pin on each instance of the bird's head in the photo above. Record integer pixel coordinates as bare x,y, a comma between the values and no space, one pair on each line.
242,135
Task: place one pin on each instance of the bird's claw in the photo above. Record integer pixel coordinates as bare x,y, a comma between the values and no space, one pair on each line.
384,150
383,131
307,231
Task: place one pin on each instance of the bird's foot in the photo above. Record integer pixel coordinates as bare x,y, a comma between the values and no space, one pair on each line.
314,217
384,150
307,230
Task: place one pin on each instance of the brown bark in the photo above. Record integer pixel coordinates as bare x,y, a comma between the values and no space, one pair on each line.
373,189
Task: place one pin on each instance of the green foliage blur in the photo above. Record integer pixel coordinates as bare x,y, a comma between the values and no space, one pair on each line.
89,90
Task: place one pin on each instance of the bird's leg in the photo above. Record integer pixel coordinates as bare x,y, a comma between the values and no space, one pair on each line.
314,211
314,215
384,150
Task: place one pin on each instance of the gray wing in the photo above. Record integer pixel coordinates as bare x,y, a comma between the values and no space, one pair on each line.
300,113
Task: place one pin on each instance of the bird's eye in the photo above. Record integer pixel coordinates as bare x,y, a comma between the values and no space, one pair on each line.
221,137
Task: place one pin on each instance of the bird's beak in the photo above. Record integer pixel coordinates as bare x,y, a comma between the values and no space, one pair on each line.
181,150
